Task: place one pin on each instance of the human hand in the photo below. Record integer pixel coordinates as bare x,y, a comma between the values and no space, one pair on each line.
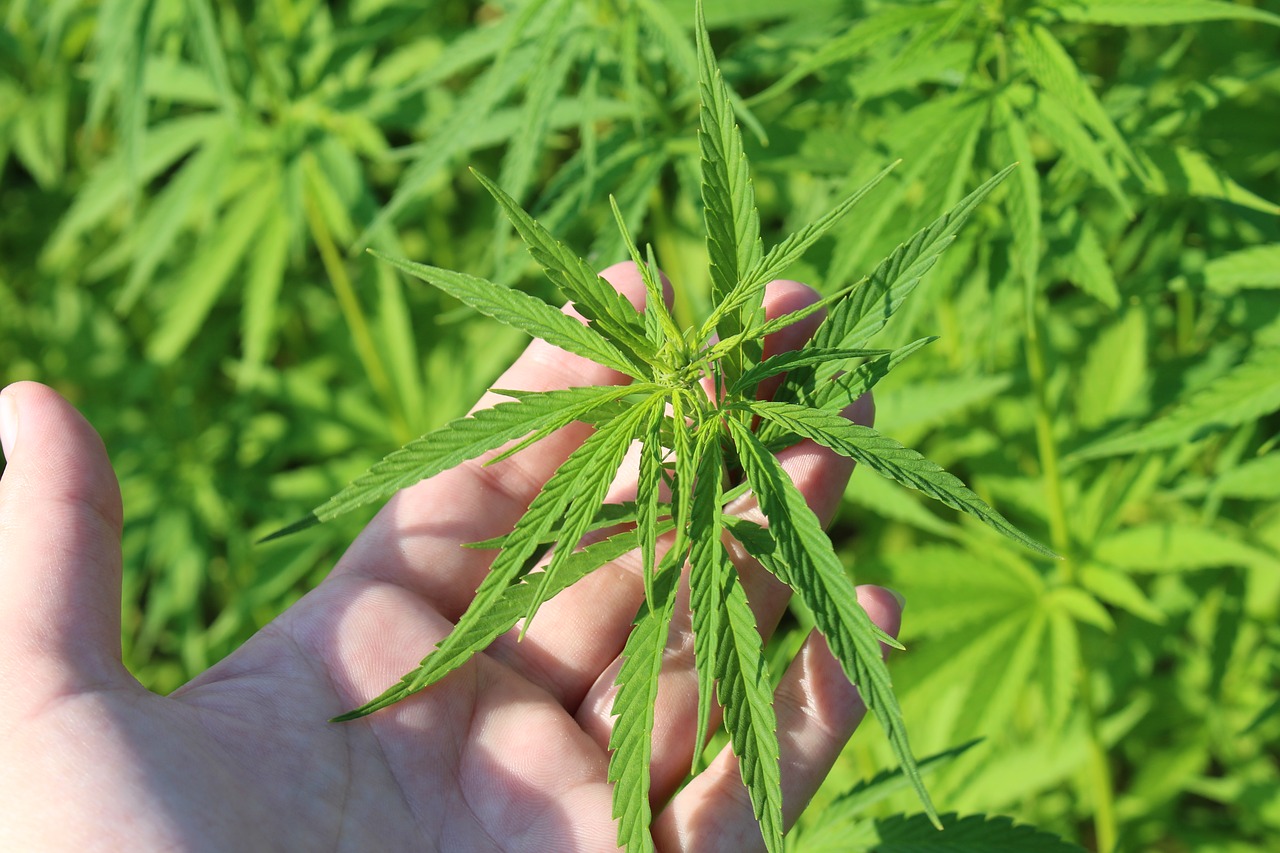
507,753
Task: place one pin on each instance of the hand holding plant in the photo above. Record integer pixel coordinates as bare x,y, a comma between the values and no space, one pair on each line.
510,754
691,400
656,585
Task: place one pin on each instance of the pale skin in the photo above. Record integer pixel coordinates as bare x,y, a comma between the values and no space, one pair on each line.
507,753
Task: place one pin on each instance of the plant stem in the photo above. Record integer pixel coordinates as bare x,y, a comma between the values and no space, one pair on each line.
1100,782
354,316
1059,531
1101,785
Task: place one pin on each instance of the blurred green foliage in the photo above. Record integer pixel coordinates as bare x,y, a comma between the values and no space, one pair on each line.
187,185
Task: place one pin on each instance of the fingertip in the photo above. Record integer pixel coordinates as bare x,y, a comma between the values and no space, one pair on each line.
884,606
8,423
862,411
782,297
51,445
60,523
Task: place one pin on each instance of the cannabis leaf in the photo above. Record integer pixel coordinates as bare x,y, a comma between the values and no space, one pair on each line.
692,444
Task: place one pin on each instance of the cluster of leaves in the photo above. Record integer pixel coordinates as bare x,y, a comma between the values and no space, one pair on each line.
1121,282
692,439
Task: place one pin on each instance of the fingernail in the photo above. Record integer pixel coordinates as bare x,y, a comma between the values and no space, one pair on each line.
8,424
898,597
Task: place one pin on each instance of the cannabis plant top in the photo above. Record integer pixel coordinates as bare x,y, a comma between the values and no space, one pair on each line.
692,406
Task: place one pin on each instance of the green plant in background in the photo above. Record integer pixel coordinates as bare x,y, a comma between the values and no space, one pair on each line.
692,439
1121,282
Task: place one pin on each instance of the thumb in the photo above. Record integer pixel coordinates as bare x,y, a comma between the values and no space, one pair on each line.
60,523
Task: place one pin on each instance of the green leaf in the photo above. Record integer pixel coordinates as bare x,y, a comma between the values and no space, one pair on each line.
885,499
790,250
746,692
655,304
936,141
915,834
1246,392
173,208
108,187
1089,267
729,204
1254,267
262,287
1119,590
558,50
830,832
478,633
632,737
1060,668
1024,193
578,475
519,310
993,698
926,403
1256,479
513,58
648,495
1181,172
668,36
683,442
794,246
594,297
720,349
960,592
121,53
207,275
708,568
888,457
802,558
1053,68
591,487
864,34
459,440
792,359
213,56
837,392
1160,13
1063,128
1113,379
1167,547
855,321
608,515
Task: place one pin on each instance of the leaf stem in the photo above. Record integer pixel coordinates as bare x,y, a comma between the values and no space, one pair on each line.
367,352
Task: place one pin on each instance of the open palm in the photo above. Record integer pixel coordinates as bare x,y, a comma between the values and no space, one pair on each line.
507,753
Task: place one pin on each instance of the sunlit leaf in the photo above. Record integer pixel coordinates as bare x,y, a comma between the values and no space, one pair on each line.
594,297
633,707
729,204
1248,391
1161,13
746,692
478,633
888,457
801,556
522,311
459,440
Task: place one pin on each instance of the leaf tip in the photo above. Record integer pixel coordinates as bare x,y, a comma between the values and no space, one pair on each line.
310,520
353,714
